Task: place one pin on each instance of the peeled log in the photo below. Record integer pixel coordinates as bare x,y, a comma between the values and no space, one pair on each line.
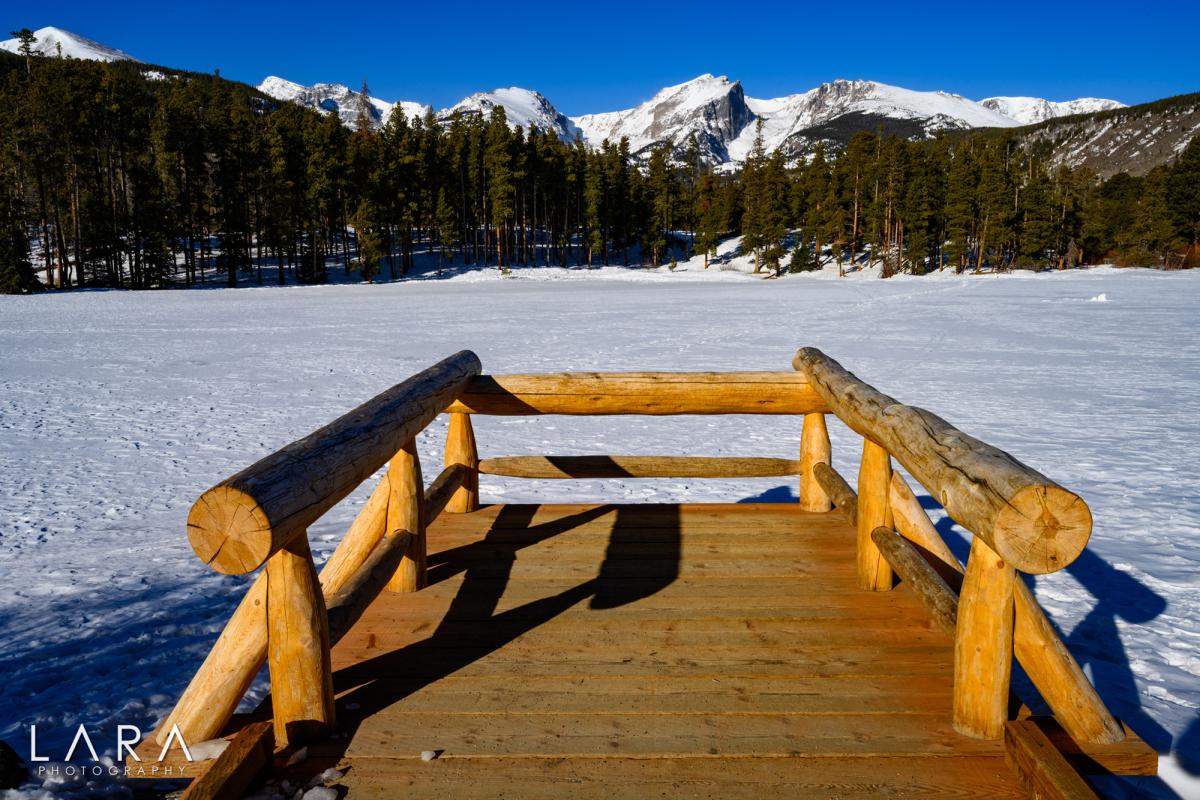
590,393
443,489
298,647
874,511
350,601
930,588
1036,644
235,526
406,511
214,692
638,467
359,540
1033,523
460,449
839,492
983,644
914,524
814,449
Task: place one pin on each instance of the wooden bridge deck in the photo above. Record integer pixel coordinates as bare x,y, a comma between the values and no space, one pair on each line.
648,651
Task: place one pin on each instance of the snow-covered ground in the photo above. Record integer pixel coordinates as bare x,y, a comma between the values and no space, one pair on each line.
118,409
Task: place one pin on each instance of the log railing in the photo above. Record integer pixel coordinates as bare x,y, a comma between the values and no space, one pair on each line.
1020,520
291,615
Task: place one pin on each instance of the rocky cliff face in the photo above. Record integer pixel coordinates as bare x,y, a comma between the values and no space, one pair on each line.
1134,139
713,109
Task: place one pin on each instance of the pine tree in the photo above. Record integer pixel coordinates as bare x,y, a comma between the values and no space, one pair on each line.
816,190
756,214
1038,215
773,208
498,165
447,227
1183,193
961,207
25,48
801,259
364,120
710,216
660,203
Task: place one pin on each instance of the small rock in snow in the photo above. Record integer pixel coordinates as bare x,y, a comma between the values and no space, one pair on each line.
209,749
297,757
330,775
430,755
320,793
1100,298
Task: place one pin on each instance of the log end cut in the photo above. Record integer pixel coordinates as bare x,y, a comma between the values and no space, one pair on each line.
1042,529
229,530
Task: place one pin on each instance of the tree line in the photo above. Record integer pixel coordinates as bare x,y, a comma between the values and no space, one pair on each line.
114,176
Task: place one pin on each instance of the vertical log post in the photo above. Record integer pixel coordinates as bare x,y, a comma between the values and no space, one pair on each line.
814,449
406,511
298,646
983,644
460,449
874,511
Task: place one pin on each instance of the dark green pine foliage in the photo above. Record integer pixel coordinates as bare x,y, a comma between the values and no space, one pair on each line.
109,178
1182,193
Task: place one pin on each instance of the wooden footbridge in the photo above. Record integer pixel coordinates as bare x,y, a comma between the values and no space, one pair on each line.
834,647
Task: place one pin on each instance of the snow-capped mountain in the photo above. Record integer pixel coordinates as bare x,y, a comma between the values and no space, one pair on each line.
724,120
711,107
800,116
334,98
522,108
55,42
1029,110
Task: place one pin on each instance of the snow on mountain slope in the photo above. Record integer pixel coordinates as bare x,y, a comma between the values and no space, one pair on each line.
334,98
711,107
784,117
1028,110
522,107
56,42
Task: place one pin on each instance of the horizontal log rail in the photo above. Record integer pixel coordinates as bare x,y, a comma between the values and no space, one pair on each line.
1033,523
651,393
638,467
1021,520
238,524
291,616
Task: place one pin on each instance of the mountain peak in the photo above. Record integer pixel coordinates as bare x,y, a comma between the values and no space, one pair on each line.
56,42
710,107
335,98
524,108
1028,110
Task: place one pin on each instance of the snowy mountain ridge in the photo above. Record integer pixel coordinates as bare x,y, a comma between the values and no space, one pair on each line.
335,98
713,109
522,107
55,42
1031,110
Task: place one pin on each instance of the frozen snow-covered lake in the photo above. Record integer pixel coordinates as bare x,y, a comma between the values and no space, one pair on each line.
118,409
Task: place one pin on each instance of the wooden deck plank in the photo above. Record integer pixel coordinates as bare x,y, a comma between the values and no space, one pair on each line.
615,778
642,651
651,651
647,695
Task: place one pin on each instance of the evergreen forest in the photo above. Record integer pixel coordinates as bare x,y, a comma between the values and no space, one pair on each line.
116,175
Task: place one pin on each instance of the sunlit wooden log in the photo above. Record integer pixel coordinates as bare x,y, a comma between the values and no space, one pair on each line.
460,449
1033,523
656,393
814,449
235,526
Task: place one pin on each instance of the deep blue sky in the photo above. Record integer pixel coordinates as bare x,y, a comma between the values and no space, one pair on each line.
601,56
